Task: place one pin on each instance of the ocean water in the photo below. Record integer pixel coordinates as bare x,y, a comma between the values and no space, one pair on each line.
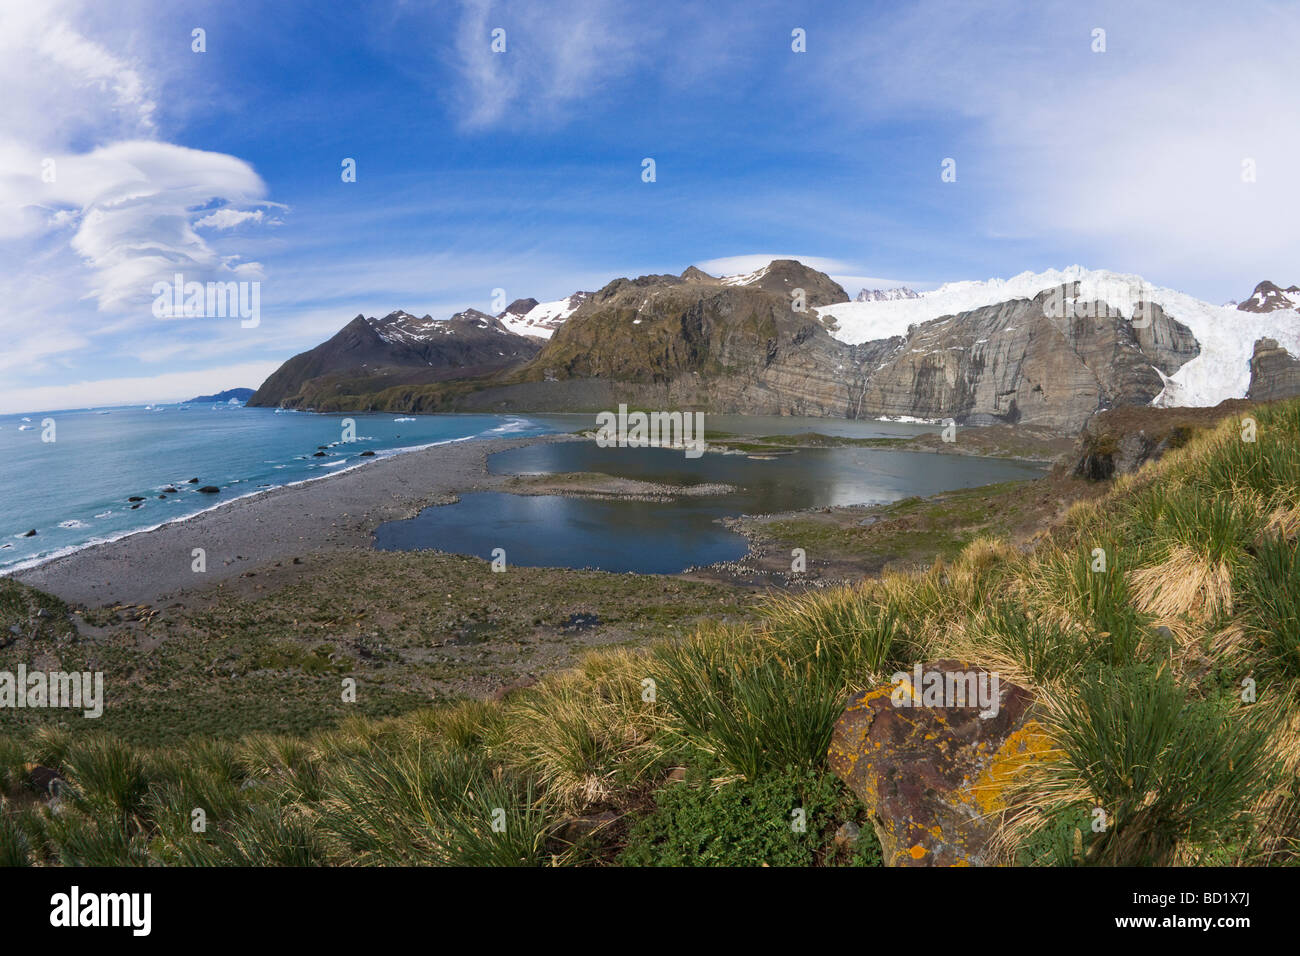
73,491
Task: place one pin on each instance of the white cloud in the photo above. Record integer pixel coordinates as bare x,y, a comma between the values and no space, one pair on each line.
60,85
133,205
555,54
85,230
227,218
1132,156
89,64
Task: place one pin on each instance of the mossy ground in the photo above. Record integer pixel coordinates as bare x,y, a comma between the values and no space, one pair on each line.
1164,675
410,628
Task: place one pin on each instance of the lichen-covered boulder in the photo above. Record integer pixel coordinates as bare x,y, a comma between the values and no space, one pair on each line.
933,760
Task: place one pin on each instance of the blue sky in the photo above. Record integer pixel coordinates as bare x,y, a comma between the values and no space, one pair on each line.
522,170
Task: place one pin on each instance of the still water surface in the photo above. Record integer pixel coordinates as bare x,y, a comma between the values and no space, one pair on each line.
668,537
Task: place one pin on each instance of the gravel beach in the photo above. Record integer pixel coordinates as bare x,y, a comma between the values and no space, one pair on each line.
276,526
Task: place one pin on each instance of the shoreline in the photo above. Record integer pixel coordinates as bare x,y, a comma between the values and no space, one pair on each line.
263,533
71,550
264,528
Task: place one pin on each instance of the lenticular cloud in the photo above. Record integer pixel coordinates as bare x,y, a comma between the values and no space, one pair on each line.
135,205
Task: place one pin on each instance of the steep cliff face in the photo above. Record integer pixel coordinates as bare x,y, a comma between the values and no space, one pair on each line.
1274,372
741,344
732,346
739,348
1020,361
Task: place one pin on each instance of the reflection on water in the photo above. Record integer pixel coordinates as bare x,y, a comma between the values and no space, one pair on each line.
667,537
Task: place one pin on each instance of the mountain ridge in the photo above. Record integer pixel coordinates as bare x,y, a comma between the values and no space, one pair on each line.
976,352
242,394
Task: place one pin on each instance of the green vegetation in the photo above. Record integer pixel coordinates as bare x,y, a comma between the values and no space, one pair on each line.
751,824
1163,676
908,533
409,628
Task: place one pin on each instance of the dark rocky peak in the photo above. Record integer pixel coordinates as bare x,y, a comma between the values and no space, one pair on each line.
519,307
1269,297
611,289
786,275
473,319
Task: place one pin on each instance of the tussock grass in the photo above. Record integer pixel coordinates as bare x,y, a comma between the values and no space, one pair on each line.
585,733
1272,588
424,807
1168,770
1138,668
1184,585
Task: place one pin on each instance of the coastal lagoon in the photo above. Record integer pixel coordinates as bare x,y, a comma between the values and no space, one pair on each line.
664,537
74,491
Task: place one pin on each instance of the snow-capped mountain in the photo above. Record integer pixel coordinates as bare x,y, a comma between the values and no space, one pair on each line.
1268,297
1048,348
886,295
368,355
540,319
402,328
1226,335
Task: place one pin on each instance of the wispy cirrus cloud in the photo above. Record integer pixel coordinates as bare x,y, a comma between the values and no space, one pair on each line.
555,55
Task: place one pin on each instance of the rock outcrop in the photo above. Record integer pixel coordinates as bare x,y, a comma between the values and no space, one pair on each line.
1274,372
1269,297
784,276
1121,440
1019,361
736,347
934,778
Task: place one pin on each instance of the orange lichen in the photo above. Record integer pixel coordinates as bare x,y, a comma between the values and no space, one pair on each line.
1021,748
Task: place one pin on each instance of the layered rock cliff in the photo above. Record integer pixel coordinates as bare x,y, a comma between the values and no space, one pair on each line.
1020,361
743,344
1274,372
